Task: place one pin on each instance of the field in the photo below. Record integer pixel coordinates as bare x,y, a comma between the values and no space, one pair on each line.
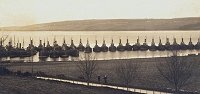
18,85
148,77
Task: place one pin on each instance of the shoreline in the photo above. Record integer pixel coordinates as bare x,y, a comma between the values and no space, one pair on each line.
148,77
150,59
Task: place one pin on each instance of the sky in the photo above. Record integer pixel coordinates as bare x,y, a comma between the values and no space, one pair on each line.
26,12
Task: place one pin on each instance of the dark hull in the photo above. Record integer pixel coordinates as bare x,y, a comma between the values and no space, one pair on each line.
161,48
43,54
3,53
183,47
13,53
73,53
191,47
39,48
197,47
175,47
64,54
54,54
120,48
104,49
24,54
81,48
152,48
128,48
144,47
96,49
43,57
136,48
168,47
88,50
112,49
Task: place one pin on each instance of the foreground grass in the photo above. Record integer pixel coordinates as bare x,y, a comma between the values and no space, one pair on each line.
19,85
148,78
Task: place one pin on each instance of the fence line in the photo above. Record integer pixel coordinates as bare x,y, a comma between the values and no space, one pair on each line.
102,85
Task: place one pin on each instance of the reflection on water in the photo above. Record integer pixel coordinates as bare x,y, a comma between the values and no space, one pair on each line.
107,35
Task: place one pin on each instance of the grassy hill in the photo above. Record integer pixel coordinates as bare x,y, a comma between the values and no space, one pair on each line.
19,85
192,23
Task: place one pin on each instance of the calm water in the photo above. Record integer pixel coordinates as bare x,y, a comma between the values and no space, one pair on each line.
107,35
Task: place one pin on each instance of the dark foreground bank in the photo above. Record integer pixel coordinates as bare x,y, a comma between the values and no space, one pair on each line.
24,85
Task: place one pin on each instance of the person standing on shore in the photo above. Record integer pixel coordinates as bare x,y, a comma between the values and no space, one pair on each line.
105,79
99,79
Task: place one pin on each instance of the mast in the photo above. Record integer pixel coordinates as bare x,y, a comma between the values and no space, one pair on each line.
80,41
44,42
120,41
48,44
14,41
17,43
167,41
96,42
175,40
112,42
160,42
190,39
20,45
138,41
87,43
54,39
145,40
72,44
182,41
104,42
23,42
127,42
1,42
40,42
153,43
64,42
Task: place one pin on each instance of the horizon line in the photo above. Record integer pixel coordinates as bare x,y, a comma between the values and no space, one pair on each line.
100,19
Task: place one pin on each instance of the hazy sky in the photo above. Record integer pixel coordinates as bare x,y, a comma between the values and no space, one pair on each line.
25,12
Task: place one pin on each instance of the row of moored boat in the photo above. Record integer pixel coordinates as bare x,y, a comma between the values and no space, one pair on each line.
46,50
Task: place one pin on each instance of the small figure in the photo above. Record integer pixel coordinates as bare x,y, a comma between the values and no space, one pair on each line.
105,79
99,78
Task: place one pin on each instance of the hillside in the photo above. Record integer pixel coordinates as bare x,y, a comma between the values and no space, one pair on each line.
115,25
20,85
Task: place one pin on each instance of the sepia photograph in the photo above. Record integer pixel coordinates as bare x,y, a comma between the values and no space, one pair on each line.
99,47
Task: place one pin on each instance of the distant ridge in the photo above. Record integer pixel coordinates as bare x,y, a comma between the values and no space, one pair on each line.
192,23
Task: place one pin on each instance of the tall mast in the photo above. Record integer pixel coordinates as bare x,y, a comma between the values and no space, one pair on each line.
1,41
87,42
23,42
104,42
64,40
127,40
138,40
14,41
153,41
112,42
96,42
120,41
17,42
44,42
